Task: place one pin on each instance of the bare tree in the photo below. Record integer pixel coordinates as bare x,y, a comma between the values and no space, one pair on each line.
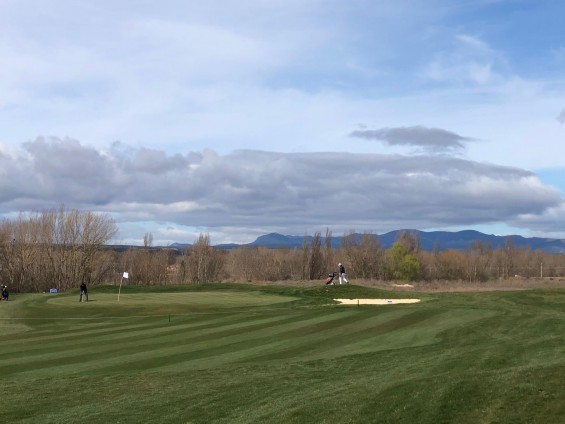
478,260
305,259
204,263
328,251
315,262
243,263
148,240
53,248
410,241
367,258
146,266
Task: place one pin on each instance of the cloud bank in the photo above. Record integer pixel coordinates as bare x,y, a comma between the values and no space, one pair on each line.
257,191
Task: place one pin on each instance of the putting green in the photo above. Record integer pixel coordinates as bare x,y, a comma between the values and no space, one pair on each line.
214,299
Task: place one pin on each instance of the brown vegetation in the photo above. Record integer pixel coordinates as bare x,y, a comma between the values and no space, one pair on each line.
62,248
54,249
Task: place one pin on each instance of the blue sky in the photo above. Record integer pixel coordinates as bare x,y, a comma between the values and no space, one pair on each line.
240,118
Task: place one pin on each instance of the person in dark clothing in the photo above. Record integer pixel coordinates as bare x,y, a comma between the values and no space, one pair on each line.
5,293
83,291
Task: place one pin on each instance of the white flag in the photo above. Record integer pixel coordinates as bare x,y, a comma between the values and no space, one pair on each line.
126,275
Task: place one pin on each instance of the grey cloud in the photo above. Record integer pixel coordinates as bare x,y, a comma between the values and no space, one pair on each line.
157,162
291,192
63,158
550,222
430,139
64,171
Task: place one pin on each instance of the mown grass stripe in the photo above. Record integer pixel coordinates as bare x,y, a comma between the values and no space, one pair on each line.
200,345
249,343
35,336
156,333
330,342
109,327
224,350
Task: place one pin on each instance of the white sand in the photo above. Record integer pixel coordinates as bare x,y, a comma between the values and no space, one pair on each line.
376,301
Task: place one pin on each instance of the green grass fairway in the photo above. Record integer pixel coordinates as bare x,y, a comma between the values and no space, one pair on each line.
208,300
277,354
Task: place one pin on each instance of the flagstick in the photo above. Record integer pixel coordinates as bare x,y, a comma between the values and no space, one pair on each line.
124,275
120,289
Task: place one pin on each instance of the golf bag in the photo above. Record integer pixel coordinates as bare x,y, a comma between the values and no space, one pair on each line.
330,278
5,293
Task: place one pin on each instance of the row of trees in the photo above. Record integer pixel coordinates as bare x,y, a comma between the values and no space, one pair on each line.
54,249
62,248
363,256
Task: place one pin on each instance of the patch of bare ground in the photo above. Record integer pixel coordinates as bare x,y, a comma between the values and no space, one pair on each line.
511,284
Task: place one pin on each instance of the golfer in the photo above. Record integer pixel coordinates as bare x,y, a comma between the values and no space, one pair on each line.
5,293
83,290
342,278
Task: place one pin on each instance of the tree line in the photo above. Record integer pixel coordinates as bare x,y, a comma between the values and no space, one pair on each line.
62,248
363,257
58,249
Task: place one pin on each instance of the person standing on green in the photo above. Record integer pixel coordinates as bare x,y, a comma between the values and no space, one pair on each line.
83,291
5,293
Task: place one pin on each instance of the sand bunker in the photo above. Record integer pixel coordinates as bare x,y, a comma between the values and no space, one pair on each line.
376,301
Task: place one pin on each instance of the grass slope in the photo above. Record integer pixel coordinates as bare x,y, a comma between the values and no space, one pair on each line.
250,354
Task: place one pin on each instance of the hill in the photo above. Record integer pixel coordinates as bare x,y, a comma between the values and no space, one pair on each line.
429,240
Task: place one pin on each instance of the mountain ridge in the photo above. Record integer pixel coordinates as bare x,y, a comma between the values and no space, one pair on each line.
429,241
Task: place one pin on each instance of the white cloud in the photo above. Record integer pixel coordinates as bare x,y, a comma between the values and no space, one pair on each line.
475,43
561,117
470,59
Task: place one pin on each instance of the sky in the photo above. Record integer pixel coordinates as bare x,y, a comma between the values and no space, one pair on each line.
237,119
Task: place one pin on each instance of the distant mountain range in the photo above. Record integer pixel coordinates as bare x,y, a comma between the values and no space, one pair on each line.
429,240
